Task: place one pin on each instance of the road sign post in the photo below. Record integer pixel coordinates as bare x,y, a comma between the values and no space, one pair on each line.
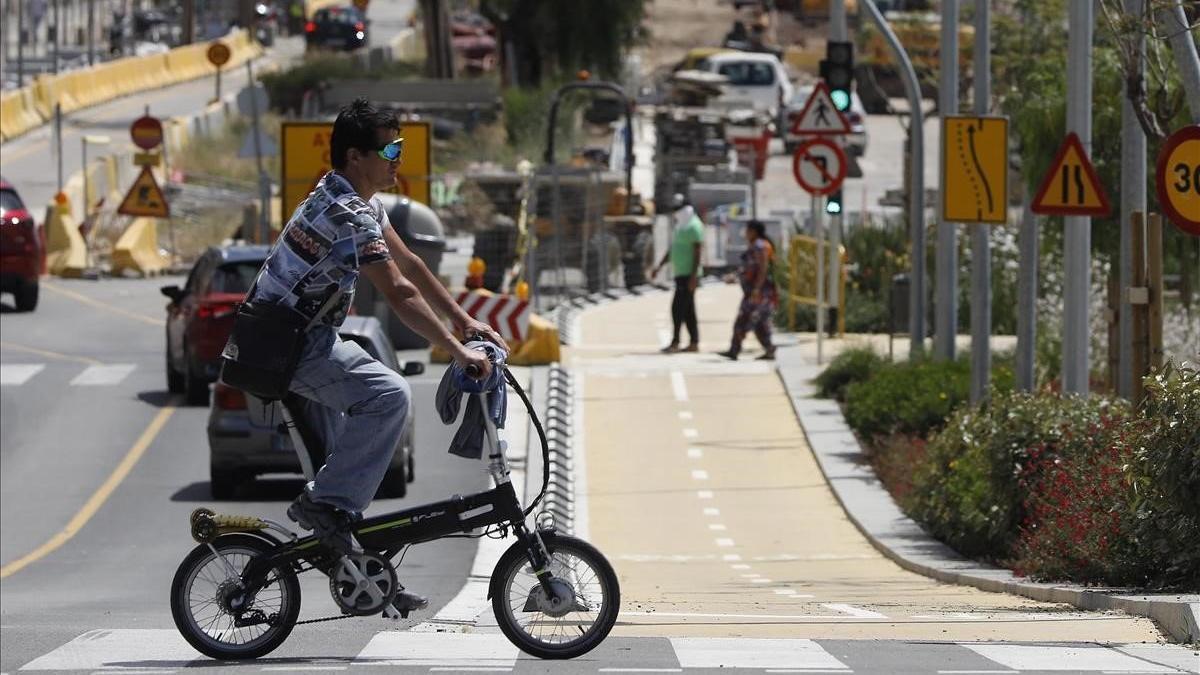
1077,239
981,255
218,54
945,306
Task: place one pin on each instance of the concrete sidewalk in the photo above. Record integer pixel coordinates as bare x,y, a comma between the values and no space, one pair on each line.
871,508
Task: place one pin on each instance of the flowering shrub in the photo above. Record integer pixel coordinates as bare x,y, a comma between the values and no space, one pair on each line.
852,365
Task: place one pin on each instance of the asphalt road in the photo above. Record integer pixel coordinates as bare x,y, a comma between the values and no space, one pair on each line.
62,439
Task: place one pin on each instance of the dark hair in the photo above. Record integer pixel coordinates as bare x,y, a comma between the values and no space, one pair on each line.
760,230
355,127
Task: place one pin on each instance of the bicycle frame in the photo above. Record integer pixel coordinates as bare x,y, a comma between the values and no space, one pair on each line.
391,532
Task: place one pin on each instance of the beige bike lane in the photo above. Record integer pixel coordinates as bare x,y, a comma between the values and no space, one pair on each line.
702,491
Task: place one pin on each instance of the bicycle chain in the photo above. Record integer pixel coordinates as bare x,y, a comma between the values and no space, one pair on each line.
327,618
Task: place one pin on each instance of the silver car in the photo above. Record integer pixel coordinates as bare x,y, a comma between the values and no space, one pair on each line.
246,438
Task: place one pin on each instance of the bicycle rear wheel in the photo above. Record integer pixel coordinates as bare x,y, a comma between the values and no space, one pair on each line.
221,620
588,598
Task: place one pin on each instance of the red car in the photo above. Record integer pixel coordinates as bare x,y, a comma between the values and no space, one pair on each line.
200,316
21,249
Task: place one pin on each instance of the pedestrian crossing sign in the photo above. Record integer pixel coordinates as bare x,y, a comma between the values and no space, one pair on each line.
820,115
1071,187
145,198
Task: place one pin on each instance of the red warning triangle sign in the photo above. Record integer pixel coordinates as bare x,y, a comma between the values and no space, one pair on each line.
145,198
1071,187
820,115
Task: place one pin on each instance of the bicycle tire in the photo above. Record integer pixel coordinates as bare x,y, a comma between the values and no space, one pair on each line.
189,626
511,563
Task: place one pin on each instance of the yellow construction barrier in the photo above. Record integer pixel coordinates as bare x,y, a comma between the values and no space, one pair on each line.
539,348
311,6
802,278
18,112
66,252
137,249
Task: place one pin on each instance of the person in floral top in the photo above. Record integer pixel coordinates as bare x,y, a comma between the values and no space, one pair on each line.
761,296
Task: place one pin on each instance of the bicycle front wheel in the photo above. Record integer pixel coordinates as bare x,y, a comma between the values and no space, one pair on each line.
219,617
583,609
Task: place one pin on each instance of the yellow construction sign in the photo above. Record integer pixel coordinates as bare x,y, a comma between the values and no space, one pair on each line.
304,157
145,198
1071,187
975,169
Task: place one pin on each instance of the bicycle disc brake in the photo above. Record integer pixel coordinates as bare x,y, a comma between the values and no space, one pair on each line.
367,587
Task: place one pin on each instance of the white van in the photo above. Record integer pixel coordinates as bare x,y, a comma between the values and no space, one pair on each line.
756,79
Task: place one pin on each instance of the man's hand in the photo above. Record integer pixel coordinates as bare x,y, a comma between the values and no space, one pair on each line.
693,282
475,329
468,358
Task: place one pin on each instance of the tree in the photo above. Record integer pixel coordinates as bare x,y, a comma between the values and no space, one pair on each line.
541,38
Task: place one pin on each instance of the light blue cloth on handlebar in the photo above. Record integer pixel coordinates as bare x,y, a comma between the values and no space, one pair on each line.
468,441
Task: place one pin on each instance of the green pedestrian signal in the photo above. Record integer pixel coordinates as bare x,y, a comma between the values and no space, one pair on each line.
837,69
833,202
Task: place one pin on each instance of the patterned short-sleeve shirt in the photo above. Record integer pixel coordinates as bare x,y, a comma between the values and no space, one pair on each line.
331,235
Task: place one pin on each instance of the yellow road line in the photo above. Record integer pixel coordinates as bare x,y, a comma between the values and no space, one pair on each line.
54,355
103,305
97,499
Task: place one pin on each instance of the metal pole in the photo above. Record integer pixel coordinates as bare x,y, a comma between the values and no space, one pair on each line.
818,208
916,213
1077,242
54,42
86,199
1183,43
58,143
1027,283
837,20
981,255
1133,198
91,31
945,308
264,182
20,43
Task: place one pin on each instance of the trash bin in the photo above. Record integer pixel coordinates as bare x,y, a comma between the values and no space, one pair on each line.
421,230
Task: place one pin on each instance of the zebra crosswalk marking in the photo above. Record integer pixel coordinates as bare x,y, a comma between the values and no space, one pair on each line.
1063,657
454,650
16,374
103,375
104,649
775,653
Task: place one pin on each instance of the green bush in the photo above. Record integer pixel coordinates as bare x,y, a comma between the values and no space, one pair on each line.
967,491
852,365
913,397
1167,482
286,88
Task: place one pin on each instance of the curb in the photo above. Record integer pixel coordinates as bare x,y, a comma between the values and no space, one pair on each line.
871,508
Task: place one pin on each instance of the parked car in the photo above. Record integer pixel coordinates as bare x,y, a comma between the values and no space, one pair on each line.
200,316
247,438
336,28
21,249
755,78
856,140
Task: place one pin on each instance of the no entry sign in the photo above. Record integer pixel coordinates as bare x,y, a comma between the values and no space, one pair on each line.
819,166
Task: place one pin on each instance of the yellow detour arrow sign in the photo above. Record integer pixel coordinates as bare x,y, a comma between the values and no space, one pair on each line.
304,158
1178,179
1071,187
975,169
145,198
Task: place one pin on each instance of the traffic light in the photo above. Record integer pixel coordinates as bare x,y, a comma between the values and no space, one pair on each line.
837,69
833,203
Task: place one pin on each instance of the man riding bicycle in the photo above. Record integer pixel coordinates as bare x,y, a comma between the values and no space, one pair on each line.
357,405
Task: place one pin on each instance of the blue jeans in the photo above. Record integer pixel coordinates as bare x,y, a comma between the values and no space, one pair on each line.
358,407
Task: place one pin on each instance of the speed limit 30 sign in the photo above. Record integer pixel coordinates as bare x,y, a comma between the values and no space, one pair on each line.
1178,179
819,166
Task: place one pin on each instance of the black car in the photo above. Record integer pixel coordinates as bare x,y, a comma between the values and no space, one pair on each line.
336,28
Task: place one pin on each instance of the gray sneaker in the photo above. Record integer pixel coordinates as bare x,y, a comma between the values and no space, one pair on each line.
330,524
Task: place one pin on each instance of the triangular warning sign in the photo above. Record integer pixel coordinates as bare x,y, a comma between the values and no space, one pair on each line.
820,115
1071,187
144,198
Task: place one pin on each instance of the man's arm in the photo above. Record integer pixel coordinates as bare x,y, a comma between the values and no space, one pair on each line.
435,295
412,309
696,255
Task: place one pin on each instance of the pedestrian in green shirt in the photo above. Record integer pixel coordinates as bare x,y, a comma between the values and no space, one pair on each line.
687,241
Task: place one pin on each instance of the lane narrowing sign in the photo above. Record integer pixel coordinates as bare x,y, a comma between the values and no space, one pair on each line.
819,166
